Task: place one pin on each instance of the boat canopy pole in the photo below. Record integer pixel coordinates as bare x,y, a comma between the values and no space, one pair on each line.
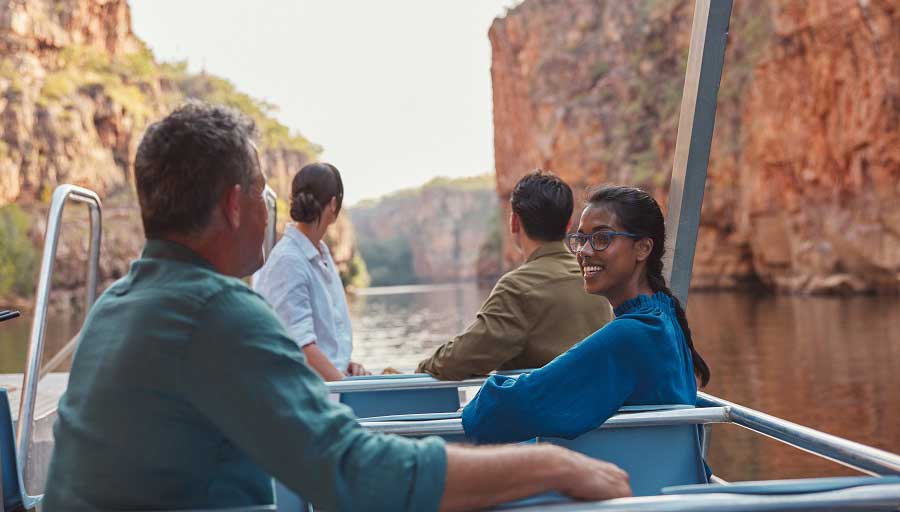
271,220
706,57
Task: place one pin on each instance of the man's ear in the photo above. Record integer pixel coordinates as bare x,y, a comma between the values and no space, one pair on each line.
514,225
643,247
231,206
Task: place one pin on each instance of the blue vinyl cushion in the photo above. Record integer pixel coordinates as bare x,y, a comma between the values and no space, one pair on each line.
653,456
366,404
12,494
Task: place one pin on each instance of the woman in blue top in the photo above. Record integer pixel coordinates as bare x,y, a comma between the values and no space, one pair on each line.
645,356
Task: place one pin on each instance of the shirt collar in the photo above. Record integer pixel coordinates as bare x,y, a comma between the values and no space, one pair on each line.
548,249
169,250
305,244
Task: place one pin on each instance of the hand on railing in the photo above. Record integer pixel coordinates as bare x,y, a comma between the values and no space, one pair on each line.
7,314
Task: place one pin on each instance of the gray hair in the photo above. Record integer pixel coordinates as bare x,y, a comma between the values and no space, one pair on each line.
186,161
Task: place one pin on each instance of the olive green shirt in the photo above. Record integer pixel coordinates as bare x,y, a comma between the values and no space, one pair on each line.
186,393
534,313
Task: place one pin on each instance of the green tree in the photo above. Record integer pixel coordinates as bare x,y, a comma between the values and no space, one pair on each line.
18,257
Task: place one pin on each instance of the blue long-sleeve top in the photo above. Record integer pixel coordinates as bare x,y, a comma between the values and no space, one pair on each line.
640,358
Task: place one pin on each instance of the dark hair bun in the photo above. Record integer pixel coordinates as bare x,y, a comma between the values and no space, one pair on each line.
305,207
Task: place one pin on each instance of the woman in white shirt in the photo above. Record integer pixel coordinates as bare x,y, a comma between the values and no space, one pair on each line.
300,280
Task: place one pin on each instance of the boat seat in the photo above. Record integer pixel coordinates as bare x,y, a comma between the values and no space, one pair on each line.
405,401
368,404
11,491
654,456
795,486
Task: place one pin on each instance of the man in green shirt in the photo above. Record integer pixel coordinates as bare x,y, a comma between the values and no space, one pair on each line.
186,392
537,311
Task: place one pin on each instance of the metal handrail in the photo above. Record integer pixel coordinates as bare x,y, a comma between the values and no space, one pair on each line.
61,195
868,497
7,314
354,386
855,455
698,416
406,382
271,220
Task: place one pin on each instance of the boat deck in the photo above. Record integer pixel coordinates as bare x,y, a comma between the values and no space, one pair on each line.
50,389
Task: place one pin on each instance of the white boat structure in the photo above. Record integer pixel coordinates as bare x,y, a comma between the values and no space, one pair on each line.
663,448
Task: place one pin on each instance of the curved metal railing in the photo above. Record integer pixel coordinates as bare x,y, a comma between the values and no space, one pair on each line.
453,426
61,195
408,381
855,455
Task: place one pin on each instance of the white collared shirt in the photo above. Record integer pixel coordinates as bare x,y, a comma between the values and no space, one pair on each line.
305,289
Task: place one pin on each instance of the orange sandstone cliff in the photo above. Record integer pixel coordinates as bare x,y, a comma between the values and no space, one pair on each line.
77,90
802,187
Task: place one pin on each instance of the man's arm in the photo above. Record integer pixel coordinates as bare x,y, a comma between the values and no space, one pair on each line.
320,363
498,334
485,476
242,371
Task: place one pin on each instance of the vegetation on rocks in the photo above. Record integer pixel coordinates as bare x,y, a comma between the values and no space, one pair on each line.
18,257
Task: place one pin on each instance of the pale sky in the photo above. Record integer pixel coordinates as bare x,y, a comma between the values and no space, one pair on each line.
396,91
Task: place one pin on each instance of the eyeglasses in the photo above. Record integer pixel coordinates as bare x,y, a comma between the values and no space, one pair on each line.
599,240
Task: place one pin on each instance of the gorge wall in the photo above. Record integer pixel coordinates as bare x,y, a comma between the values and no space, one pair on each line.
445,231
803,179
77,90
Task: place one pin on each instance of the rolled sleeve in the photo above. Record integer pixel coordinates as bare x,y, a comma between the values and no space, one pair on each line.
603,368
428,485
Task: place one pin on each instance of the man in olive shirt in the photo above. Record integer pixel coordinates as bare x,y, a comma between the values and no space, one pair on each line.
186,392
537,311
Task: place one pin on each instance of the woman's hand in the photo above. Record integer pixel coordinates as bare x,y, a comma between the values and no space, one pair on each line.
356,369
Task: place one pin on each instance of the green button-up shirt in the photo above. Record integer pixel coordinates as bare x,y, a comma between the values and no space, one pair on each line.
534,313
186,392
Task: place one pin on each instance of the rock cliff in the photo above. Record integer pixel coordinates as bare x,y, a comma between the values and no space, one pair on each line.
77,90
444,231
802,180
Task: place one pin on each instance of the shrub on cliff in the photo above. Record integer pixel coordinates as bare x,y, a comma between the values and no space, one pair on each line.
356,275
18,257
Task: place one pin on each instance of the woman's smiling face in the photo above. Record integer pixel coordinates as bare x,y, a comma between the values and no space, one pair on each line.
613,271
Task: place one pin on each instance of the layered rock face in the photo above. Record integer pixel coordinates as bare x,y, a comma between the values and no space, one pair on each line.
446,231
804,161
86,139
77,90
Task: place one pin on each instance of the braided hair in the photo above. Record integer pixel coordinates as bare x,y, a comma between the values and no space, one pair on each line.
640,214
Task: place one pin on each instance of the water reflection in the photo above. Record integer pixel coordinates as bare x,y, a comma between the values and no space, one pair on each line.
829,363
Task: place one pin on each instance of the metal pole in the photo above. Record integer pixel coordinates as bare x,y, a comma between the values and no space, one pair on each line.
271,221
855,455
39,324
695,129
453,426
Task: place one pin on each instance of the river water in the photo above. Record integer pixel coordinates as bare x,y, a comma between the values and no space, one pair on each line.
831,363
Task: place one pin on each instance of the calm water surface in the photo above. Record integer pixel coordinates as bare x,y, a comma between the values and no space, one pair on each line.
828,363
